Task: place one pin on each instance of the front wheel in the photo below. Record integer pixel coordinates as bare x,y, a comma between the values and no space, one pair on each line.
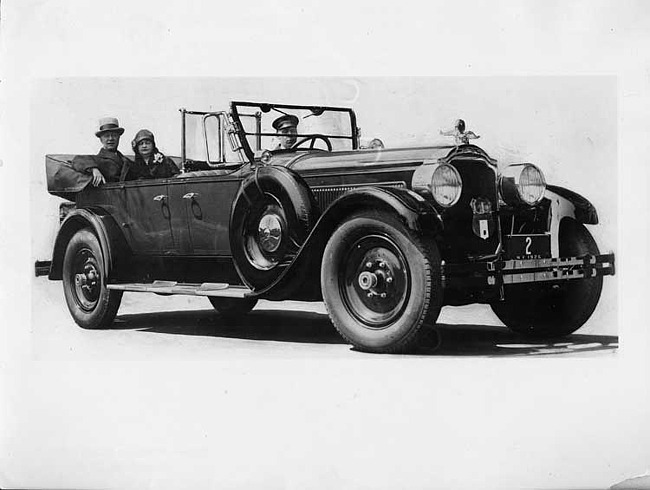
555,310
91,303
381,283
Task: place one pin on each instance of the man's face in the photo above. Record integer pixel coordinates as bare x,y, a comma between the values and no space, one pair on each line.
110,140
287,137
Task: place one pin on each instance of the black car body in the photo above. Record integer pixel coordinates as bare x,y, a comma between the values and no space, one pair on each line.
385,237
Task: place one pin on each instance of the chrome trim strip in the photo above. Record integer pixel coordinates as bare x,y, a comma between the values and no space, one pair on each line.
393,183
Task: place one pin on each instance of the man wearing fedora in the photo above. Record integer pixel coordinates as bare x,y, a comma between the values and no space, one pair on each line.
286,128
109,165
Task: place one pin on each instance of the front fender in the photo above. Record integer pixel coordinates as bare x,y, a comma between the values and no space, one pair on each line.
584,212
112,241
414,211
567,204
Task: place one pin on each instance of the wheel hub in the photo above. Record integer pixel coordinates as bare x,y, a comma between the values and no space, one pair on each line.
87,280
376,285
367,280
376,279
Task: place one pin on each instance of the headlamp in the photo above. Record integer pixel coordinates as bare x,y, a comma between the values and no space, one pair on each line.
440,180
522,183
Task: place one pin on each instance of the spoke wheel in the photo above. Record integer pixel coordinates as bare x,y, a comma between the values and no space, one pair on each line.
90,302
381,283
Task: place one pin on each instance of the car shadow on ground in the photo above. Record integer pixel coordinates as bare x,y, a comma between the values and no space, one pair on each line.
316,328
270,325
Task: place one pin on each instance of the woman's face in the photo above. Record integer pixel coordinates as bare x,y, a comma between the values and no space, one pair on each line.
145,148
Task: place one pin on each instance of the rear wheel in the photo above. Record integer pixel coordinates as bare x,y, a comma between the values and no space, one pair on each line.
91,303
232,307
554,310
381,283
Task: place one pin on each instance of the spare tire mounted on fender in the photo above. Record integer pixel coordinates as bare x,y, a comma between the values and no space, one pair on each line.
272,216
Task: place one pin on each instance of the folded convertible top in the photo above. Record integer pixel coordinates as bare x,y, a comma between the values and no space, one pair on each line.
62,179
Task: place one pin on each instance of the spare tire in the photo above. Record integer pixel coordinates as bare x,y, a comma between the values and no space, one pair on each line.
271,217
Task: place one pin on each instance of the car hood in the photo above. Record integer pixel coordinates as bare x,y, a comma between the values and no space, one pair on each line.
369,158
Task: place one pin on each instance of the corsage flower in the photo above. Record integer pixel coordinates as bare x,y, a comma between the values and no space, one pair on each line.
158,158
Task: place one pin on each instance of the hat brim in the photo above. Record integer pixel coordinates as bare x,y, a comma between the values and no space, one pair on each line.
286,121
119,131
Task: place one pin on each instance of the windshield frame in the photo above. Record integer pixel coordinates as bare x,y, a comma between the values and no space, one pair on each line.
264,107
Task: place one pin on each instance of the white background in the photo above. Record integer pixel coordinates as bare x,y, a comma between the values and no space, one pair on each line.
370,423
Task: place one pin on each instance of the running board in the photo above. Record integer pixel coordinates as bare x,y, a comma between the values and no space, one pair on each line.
219,289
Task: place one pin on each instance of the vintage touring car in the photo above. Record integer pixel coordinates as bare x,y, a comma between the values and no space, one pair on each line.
385,237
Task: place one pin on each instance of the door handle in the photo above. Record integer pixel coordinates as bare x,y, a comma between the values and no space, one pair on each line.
191,195
160,197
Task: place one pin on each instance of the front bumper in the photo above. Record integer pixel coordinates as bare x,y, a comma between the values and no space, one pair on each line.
502,272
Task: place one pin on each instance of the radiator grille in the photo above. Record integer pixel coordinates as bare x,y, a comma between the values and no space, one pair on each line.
326,195
479,181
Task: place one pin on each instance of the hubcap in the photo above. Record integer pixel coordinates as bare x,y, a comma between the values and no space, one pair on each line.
264,243
269,232
376,282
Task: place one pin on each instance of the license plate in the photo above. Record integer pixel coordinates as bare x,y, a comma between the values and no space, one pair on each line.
528,246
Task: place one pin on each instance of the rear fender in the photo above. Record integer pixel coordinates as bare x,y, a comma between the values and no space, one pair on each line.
111,239
567,204
412,210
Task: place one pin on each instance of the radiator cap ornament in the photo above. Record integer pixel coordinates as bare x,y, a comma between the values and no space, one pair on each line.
461,136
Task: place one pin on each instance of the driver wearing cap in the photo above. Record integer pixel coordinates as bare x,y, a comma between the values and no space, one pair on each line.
286,128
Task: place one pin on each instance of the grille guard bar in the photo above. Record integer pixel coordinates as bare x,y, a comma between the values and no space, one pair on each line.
499,272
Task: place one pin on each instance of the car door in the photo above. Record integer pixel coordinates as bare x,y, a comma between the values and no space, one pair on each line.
207,204
149,211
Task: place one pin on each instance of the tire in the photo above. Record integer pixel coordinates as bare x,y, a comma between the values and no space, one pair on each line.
273,214
91,304
232,308
353,279
554,310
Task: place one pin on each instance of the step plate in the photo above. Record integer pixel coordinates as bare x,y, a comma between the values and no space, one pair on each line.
221,290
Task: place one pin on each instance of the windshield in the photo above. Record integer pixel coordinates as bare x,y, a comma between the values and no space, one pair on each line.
292,128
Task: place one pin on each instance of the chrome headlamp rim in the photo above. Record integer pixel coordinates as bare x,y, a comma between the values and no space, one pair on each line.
422,182
510,184
458,179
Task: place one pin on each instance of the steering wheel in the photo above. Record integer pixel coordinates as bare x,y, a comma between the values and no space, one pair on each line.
313,140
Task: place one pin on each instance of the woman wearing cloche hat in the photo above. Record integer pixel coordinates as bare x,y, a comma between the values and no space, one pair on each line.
150,162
